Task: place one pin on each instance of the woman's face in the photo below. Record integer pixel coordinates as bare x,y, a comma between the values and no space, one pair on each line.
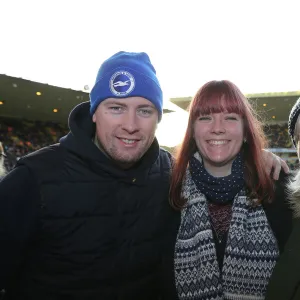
219,138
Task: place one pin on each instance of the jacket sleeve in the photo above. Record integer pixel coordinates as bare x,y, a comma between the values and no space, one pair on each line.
19,195
285,280
279,213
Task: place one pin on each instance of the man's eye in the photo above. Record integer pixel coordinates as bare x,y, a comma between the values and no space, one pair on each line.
145,112
116,108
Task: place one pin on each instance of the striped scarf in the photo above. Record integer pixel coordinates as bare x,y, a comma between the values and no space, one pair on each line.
250,255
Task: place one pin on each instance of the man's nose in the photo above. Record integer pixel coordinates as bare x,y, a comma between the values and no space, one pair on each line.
130,122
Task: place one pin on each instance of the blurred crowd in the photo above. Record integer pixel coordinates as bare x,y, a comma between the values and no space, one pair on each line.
293,163
278,136
20,137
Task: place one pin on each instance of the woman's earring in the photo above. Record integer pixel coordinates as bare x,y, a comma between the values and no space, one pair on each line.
245,140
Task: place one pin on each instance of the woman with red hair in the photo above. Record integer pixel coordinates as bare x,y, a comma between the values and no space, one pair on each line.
234,221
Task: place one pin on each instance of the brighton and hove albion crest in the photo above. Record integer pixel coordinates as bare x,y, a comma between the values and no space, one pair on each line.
121,83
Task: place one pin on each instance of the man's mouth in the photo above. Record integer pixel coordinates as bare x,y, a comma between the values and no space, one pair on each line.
128,141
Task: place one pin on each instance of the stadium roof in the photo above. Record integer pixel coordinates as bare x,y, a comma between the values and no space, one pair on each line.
271,106
21,98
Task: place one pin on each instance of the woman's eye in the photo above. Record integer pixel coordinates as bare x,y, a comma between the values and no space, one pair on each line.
232,117
204,118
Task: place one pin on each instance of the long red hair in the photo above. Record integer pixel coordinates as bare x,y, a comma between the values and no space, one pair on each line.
216,97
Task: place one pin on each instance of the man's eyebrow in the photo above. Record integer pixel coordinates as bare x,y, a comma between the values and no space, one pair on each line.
146,106
123,104
115,102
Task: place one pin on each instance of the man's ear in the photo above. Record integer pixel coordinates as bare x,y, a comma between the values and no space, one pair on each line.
94,118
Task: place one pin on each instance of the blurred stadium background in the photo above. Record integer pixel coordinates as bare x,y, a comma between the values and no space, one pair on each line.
34,115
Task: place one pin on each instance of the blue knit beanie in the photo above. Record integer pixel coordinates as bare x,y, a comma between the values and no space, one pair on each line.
127,74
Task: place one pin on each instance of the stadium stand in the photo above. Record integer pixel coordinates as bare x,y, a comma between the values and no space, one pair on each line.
278,136
281,144
20,137
25,125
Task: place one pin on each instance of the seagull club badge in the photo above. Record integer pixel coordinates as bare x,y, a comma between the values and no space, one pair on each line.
121,83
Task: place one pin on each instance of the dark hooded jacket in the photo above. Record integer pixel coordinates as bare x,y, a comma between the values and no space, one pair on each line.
73,225
285,281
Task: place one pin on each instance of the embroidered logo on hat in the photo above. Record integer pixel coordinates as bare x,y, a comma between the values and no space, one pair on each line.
121,83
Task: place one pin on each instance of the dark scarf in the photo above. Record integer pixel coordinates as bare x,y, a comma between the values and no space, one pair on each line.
250,254
219,190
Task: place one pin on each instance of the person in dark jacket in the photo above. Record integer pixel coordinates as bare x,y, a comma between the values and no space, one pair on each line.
89,218
234,224
285,281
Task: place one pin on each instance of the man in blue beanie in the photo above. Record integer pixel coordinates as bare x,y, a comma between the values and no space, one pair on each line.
125,128
89,218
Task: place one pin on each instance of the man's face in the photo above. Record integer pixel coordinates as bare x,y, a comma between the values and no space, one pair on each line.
125,128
